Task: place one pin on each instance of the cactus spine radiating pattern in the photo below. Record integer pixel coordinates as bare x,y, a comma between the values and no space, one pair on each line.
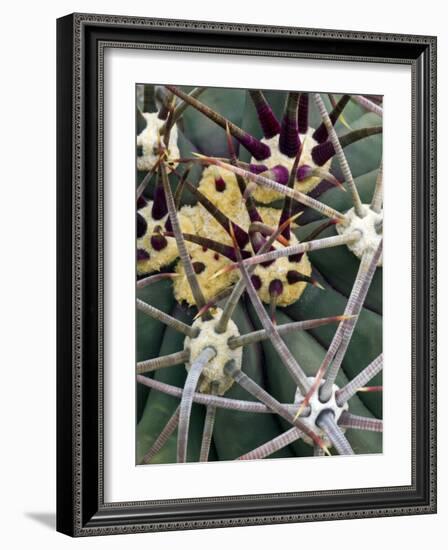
262,352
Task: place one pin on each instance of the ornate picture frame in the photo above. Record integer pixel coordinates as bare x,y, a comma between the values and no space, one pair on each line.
81,42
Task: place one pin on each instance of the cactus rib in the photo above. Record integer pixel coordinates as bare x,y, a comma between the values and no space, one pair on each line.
349,390
165,318
274,445
162,362
165,434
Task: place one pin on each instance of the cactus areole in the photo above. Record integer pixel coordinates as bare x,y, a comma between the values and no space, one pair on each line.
317,408
370,227
213,375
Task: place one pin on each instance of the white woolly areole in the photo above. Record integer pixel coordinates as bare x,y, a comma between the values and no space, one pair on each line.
149,140
265,195
370,238
317,407
213,375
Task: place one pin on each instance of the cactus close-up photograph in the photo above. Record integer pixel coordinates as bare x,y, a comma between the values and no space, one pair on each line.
259,288
224,274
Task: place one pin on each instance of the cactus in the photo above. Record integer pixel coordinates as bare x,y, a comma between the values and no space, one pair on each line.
259,274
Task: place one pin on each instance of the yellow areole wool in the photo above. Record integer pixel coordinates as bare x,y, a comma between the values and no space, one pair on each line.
278,270
158,258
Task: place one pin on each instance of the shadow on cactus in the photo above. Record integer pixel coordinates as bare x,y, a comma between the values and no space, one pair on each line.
259,278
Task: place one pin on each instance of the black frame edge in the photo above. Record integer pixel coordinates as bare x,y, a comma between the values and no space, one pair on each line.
64,174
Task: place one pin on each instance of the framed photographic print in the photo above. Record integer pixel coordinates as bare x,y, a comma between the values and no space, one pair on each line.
246,274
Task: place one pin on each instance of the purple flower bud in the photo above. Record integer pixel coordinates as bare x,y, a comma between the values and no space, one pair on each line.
321,134
158,242
275,287
294,277
280,174
168,225
220,184
259,150
141,202
142,255
198,267
322,153
303,172
302,116
256,281
296,257
256,240
289,140
141,226
268,121
242,238
159,208
258,168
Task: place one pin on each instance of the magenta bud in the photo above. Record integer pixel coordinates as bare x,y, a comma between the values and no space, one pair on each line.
258,168
289,140
242,238
275,287
296,257
198,267
321,134
142,254
159,208
220,184
322,153
256,281
158,242
303,172
168,225
268,121
256,240
302,116
141,202
141,226
259,150
280,174
294,277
